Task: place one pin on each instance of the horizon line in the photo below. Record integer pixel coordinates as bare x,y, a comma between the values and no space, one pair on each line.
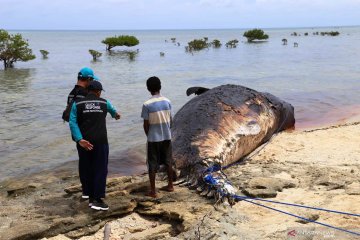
184,29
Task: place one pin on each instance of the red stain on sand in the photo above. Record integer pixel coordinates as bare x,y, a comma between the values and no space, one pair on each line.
335,116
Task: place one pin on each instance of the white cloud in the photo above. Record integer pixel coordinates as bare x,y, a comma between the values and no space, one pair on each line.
217,3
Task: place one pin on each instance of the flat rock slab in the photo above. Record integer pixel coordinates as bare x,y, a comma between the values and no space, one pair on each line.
56,208
276,184
158,232
19,188
331,182
266,187
34,210
353,189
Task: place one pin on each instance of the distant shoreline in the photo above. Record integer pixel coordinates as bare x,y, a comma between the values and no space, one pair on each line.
181,29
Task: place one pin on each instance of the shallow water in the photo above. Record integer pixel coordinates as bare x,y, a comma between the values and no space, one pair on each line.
320,78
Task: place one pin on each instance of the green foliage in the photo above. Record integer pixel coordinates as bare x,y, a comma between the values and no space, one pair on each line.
331,33
232,43
123,40
44,53
95,54
14,48
4,37
255,34
336,33
216,43
196,45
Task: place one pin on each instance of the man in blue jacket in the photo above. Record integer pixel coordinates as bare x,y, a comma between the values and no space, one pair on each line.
88,128
85,76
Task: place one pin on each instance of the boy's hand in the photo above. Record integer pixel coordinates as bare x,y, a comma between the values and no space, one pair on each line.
146,127
117,116
86,144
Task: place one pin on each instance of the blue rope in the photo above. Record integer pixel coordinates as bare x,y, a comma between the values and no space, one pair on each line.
213,168
306,219
297,205
212,181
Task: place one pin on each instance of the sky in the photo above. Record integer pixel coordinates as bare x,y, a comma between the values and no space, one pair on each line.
175,14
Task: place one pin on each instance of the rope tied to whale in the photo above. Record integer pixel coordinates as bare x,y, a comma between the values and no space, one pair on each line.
221,192
213,181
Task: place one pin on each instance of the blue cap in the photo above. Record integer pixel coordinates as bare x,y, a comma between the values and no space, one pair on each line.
87,73
95,85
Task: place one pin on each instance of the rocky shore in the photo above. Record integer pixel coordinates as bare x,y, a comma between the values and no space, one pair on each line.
319,167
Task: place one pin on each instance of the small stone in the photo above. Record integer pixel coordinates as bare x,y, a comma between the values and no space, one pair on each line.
73,189
261,193
136,229
310,216
146,204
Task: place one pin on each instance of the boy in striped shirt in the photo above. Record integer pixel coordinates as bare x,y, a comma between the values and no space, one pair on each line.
157,115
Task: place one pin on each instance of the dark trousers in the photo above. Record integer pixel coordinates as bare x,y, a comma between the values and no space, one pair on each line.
93,169
159,153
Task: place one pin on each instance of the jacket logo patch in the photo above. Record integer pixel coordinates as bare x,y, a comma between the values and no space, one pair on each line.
92,106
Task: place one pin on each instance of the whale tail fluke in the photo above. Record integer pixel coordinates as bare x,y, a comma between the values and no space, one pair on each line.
196,90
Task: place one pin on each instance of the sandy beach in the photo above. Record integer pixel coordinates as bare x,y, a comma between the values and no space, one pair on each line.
317,167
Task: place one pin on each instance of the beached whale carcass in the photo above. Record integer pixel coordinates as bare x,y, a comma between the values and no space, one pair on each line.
221,126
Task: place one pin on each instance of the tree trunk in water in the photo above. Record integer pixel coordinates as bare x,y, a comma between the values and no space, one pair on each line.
6,64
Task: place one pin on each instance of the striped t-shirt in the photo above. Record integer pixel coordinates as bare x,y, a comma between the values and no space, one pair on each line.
158,111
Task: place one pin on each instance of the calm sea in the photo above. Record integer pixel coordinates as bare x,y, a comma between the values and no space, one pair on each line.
321,78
